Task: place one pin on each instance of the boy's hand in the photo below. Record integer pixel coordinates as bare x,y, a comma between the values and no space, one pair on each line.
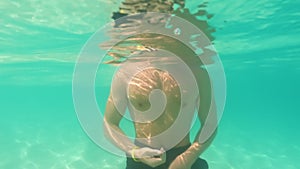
149,156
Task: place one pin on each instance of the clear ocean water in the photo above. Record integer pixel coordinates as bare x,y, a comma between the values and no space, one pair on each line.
258,43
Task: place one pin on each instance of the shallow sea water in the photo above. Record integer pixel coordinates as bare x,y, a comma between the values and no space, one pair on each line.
258,43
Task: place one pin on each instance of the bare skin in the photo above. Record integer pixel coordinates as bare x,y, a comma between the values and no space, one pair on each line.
138,94
139,89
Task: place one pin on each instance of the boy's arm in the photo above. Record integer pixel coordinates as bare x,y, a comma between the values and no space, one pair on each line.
188,158
112,118
207,115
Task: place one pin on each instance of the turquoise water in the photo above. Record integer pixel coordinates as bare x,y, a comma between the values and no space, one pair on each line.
258,42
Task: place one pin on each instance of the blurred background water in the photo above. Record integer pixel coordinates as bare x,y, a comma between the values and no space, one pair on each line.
257,41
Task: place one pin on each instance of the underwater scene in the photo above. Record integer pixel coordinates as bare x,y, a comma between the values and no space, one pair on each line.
258,43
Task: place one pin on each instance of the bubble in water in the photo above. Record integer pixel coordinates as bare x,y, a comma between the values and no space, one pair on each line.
177,31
